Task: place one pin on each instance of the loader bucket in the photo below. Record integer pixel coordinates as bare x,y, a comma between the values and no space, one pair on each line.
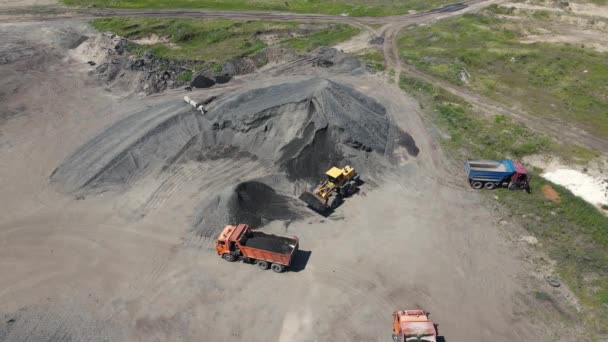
315,202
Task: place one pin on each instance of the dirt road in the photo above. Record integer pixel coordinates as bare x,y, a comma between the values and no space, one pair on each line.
13,13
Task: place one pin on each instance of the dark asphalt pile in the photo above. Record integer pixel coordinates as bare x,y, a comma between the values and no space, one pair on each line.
299,128
272,243
252,202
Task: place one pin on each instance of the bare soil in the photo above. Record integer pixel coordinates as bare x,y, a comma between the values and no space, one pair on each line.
551,194
124,264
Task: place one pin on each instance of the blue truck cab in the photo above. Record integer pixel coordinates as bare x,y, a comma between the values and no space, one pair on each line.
489,174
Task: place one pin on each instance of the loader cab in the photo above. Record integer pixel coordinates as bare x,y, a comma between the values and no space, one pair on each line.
335,176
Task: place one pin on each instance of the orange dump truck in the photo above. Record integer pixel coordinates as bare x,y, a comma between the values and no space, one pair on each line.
265,250
413,325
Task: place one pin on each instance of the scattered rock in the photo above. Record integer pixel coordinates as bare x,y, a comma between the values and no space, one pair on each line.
503,222
496,197
91,63
323,63
554,282
377,41
531,240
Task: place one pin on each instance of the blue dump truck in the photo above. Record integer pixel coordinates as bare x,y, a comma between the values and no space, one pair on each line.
489,174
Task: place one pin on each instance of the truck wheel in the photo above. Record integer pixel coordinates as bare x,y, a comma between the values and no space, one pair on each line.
477,185
278,268
229,257
489,185
262,264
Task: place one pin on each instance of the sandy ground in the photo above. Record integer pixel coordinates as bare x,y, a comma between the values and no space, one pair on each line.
20,3
98,269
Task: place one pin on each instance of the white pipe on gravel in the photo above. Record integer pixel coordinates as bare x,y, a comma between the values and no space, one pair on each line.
195,104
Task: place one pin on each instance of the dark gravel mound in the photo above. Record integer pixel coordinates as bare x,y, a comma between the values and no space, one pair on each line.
306,127
200,81
272,243
251,202
129,148
302,127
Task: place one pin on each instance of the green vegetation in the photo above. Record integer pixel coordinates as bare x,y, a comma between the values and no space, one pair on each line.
542,296
185,76
327,37
575,236
484,53
335,7
373,58
474,135
573,232
217,41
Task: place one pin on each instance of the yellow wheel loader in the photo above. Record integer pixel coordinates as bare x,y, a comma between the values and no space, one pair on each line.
329,193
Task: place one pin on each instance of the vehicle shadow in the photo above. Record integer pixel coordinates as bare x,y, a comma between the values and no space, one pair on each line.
300,260
441,339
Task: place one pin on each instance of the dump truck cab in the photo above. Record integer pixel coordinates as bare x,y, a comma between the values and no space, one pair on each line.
226,241
520,179
413,325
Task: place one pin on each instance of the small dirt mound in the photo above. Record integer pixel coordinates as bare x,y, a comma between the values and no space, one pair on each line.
551,194
252,202
200,81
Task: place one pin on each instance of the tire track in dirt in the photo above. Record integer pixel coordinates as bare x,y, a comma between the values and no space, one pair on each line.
357,285
23,14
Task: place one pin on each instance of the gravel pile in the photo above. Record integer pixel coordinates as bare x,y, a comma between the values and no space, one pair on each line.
300,128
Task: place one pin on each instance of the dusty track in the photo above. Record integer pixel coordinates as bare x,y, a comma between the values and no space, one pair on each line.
54,13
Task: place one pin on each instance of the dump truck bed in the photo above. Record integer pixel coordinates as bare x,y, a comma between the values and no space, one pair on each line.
268,247
489,170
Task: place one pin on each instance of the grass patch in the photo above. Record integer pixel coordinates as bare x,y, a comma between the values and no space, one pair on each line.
335,7
573,232
185,76
575,235
542,296
217,41
338,33
373,58
472,135
550,80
